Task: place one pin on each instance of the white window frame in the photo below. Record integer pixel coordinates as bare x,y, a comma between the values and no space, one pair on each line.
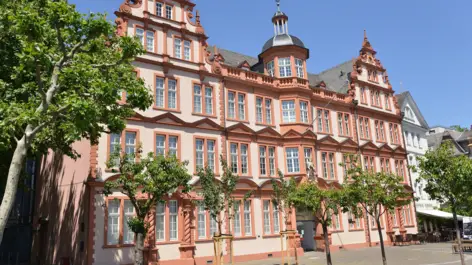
289,114
285,67
299,67
270,68
292,159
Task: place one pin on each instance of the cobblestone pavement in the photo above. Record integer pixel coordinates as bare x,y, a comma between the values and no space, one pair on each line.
428,254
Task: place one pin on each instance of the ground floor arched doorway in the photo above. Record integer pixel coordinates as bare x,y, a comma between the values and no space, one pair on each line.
306,228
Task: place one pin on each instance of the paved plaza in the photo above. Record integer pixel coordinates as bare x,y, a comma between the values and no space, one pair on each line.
428,254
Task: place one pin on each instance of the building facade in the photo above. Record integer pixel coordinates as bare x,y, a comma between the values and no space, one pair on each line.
261,114
415,129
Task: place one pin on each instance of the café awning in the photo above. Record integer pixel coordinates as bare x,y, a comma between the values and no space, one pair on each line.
438,213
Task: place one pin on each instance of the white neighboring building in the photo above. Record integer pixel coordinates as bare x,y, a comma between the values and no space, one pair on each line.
415,129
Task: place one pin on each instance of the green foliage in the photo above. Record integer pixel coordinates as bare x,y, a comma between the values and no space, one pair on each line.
282,193
448,177
375,190
217,194
459,128
146,181
62,74
322,202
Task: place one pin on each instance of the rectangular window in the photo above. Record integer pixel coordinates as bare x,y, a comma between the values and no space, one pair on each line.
236,108
270,68
364,128
344,124
160,221
213,226
263,110
268,110
140,35
387,101
272,161
239,158
323,117
369,163
262,160
241,106
172,94
275,218
150,41
115,146
288,111
197,99
128,234
237,218
400,169
209,100
354,222
335,221
267,160
259,115
178,48
231,105
363,95
299,68
201,219
385,165
169,12
247,218
167,144
205,157
293,164
407,215
348,163
113,233
285,68
158,9
187,50
377,99
380,131
173,219
130,145
328,165
394,218
308,159
266,212
199,153
304,111
160,92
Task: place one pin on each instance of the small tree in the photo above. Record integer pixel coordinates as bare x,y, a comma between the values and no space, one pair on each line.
448,180
281,197
146,182
61,80
218,196
323,203
376,193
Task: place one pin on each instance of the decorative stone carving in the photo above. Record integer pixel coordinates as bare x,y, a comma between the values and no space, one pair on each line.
121,26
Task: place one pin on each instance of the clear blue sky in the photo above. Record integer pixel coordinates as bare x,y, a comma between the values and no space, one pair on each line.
425,44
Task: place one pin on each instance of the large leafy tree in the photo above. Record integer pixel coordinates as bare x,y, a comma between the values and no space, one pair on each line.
61,76
448,179
376,193
146,181
324,203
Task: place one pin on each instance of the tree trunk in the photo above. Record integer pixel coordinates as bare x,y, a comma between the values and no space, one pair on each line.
458,234
138,249
382,247
326,241
14,172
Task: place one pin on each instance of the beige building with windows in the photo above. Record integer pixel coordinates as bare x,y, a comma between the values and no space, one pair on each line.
261,114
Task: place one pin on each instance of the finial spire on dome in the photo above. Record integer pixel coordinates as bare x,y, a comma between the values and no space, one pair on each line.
278,5
366,46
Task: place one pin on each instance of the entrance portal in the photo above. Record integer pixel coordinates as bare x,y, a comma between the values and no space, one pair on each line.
306,229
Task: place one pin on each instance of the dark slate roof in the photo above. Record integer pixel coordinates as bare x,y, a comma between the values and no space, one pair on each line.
460,140
282,40
335,78
406,96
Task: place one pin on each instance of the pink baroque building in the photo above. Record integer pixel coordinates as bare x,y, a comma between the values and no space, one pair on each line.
261,114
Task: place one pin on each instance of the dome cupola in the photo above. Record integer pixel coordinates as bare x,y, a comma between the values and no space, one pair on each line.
284,55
